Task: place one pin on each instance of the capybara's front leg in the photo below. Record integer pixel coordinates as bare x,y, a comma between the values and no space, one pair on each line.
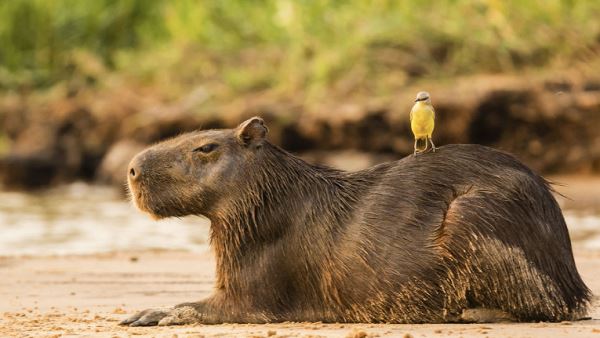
216,310
148,317
208,311
186,313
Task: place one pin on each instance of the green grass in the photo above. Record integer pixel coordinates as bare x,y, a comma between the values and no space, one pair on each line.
290,46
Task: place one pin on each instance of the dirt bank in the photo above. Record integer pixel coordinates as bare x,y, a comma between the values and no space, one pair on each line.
90,132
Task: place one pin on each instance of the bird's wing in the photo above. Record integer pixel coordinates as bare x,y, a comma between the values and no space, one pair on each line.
433,111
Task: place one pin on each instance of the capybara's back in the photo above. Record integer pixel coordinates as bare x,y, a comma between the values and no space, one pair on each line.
437,237
479,230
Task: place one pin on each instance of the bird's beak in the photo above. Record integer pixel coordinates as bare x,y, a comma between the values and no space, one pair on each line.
416,100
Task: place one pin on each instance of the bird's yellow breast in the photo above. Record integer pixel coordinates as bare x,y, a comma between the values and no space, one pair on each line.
422,120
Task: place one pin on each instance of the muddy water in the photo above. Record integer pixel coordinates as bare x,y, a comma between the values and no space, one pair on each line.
80,218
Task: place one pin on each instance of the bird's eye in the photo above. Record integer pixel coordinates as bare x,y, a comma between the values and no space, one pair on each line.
207,148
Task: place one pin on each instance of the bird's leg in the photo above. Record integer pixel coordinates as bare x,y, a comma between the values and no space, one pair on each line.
432,145
426,145
415,152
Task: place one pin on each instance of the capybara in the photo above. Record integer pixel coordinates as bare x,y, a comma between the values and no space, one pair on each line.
426,239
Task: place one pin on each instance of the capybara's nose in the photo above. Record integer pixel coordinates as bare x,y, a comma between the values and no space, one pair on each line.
135,170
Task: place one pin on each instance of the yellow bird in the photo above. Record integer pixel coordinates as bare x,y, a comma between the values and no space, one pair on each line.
422,121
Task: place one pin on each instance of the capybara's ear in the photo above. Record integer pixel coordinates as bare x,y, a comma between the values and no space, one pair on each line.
252,130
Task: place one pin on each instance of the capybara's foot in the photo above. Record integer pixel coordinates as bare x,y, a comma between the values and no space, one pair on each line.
149,317
180,315
482,315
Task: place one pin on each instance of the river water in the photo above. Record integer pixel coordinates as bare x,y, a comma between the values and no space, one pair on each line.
80,218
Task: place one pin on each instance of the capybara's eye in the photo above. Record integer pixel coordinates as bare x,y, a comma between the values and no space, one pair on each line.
207,148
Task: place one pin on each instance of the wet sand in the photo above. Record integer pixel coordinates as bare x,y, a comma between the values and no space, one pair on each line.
88,295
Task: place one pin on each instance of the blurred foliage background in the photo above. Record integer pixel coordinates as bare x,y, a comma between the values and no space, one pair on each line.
78,78
291,45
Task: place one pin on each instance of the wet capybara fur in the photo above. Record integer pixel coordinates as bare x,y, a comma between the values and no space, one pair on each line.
424,239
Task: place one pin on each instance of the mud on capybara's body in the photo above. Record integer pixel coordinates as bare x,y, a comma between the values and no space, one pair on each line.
422,239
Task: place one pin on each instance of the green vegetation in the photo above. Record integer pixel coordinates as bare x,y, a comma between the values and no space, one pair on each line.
290,46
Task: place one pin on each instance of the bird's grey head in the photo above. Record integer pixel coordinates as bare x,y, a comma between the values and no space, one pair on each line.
423,97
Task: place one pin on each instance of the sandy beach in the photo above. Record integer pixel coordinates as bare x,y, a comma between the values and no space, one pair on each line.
88,295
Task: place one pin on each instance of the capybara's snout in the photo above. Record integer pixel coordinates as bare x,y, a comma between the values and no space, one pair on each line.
138,167
134,171
137,175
